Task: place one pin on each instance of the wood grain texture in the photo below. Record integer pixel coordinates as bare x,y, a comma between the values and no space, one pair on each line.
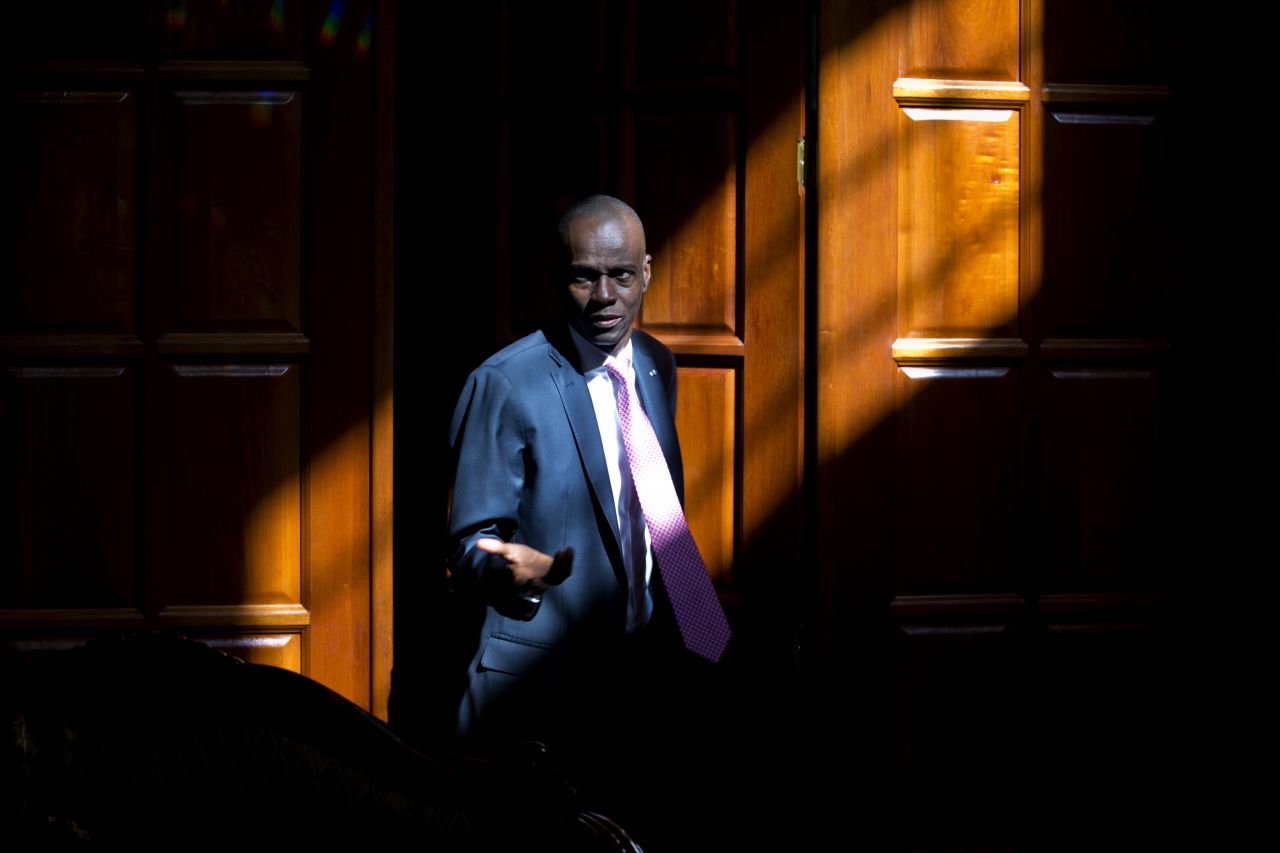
963,39
857,314
70,487
1107,271
1102,479
958,221
236,210
773,412
339,415
706,421
1102,41
71,213
958,480
687,176
230,507
382,495
237,449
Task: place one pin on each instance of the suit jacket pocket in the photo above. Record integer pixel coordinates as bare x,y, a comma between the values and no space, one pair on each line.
517,657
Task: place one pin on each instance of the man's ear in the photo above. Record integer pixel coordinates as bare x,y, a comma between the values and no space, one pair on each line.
648,271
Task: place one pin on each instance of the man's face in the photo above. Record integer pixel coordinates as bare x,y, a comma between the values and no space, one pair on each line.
607,275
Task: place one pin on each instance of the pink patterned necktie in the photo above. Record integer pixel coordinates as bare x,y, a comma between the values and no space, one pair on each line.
701,620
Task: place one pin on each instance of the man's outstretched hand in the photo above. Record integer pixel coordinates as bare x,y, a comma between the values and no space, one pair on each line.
531,570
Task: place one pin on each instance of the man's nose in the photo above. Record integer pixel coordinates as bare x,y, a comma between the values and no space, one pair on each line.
602,290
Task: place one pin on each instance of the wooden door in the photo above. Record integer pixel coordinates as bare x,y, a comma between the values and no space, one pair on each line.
996,268
193,332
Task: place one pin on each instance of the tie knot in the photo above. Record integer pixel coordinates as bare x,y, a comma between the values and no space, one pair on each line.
615,370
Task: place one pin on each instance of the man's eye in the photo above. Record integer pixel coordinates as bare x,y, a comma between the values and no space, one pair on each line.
623,276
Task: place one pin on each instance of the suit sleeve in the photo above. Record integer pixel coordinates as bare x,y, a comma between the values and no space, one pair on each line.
488,437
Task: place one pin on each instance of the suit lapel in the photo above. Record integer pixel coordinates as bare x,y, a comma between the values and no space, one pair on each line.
654,399
576,400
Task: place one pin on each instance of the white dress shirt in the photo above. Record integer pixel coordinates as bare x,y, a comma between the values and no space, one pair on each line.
637,554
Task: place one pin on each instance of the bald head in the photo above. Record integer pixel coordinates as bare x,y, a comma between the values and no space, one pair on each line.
606,269
600,208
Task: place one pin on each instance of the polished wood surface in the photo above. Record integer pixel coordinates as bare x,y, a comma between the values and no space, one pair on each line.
70,452
969,39
707,413
688,190
74,164
993,363
958,222
190,400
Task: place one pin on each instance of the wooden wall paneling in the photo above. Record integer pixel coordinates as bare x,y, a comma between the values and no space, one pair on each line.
71,212
237,210
959,462
958,221
676,42
957,478
1102,479
856,315
243,331
556,48
246,30
770,570
1100,41
962,40
100,31
338,415
706,421
960,721
231,504
1106,271
1108,760
382,446
71,489
687,184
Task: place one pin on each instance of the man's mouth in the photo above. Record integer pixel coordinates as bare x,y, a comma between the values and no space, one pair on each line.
605,322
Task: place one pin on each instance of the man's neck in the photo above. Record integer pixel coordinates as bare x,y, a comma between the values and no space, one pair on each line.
592,357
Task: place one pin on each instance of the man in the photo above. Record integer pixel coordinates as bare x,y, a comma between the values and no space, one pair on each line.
579,639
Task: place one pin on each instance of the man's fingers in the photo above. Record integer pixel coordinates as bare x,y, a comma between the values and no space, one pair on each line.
492,546
561,566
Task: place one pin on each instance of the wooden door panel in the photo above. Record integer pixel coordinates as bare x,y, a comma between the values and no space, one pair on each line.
707,413
686,183
960,719
554,48
1104,186
957,482
678,42
960,40
230,500
1102,479
250,29
71,496
1102,41
958,222
72,175
236,210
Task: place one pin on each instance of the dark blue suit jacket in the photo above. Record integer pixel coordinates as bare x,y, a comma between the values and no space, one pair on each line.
529,468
